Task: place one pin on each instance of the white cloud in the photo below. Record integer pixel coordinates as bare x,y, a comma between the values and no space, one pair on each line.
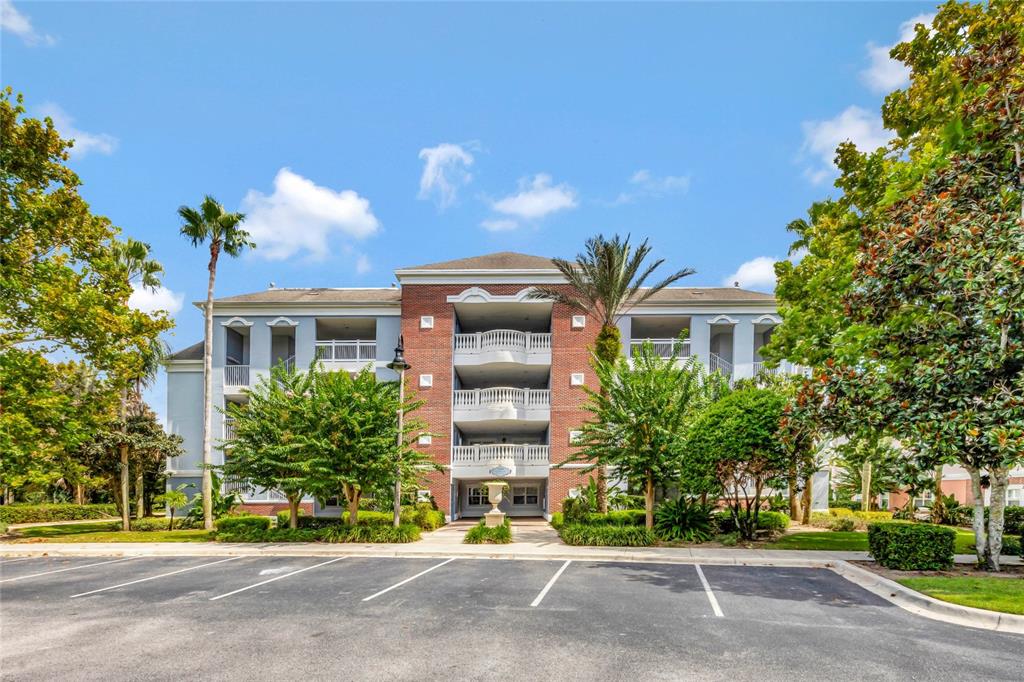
758,273
20,25
647,185
537,198
885,73
150,300
444,171
363,265
821,138
85,143
300,216
499,225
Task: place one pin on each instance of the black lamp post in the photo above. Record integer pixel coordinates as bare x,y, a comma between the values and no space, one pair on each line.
399,365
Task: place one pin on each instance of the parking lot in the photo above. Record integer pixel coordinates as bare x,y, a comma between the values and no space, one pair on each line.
387,618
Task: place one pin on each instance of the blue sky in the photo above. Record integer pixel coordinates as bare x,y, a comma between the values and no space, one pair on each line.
361,138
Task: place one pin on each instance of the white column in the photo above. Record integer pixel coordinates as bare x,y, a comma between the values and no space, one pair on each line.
743,348
700,338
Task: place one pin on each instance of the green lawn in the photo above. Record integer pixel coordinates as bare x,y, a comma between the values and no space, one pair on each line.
107,531
994,594
855,541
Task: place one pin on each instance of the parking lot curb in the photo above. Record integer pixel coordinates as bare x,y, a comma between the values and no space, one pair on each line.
929,607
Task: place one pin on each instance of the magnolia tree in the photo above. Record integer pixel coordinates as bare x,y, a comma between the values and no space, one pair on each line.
738,438
640,417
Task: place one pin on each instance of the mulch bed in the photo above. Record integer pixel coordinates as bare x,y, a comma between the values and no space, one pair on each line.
958,571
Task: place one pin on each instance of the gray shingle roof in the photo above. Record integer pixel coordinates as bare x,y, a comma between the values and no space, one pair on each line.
320,295
504,260
193,352
710,294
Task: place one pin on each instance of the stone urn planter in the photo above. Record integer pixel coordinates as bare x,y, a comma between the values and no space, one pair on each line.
495,493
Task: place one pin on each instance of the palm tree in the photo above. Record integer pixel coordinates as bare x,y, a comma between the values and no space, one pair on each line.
606,281
210,223
155,356
133,257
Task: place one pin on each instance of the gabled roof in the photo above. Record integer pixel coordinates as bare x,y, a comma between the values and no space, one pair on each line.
383,295
503,260
193,352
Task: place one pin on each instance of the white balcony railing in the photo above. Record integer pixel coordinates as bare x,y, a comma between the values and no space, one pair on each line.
783,368
338,350
501,452
719,364
502,396
236,375
249,492
661,347
503,339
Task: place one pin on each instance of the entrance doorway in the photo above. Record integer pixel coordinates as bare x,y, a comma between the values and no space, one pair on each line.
523,498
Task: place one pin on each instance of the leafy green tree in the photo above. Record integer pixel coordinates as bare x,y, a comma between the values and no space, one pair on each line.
738,438
356,432
638,423
211,224
870,467
605,282
272,447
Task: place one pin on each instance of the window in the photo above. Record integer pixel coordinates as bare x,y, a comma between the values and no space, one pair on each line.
426,322
525,494
425,439
1015,496
576,379
477,495
574,437
426,380
331,501
579,321
925,499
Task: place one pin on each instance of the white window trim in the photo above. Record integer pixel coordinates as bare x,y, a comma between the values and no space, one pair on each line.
579,321
577,379
426,380
426,321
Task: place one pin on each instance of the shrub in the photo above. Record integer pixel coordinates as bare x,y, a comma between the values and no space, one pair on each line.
1011,545
840,511
1013,520
422,514
606,536
480,534
683,519
842,524
155,524
43,513
1021,540
766,520
821,519
285,515
912,546
575,509
237,524
3,528
374,533
557,520
729,539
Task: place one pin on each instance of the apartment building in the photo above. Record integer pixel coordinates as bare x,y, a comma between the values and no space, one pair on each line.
502,375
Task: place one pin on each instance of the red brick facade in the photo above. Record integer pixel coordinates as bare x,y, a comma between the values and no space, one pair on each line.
429,351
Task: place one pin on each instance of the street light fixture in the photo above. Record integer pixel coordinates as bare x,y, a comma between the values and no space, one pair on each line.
399,365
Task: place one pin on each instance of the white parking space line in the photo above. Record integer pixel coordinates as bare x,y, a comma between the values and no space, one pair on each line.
551,582
154,577
61,570
407,580
707,590
280,577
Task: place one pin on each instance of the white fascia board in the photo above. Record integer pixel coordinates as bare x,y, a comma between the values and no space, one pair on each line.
708,308
546,276
184,366
293,309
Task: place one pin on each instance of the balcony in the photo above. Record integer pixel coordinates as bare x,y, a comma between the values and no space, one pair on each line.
501,404
249,492
503,346
346,354
784,368
663,348
236,378
503,459
721,365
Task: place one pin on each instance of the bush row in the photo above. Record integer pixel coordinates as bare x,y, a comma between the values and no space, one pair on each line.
421,514
156,523
912,546
42,513
257,529
480,534
606,536
776,522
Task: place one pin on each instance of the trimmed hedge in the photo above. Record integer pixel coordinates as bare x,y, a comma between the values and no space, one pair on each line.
156,523
44,513
912,546
842,524
235,524
606,535
406,532
619,517
480,534
766,520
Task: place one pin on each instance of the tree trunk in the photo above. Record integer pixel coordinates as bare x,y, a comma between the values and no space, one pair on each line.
208,390
293,510
140,494
805,517
649,503
609,352
865,486
80,493
170,524
794,500
938,504
123,449
996,507
978,522
352,497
